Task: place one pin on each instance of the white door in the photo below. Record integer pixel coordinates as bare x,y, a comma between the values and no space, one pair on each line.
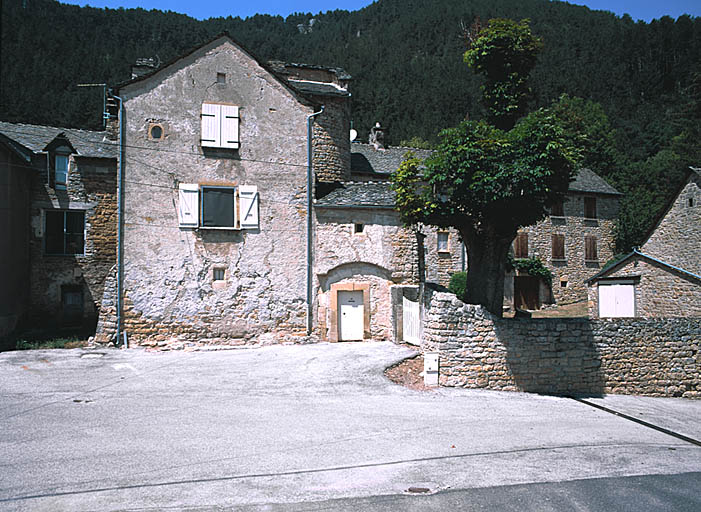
616,299
411,322
351,315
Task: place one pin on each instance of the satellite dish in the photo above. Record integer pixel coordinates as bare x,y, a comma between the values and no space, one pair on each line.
353,134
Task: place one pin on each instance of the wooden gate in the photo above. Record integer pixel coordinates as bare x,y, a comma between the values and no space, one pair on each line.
527,292
411,322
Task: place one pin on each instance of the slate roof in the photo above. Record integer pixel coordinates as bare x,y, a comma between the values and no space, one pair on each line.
636,253
366,159
317,88
588,181
359,194
35,138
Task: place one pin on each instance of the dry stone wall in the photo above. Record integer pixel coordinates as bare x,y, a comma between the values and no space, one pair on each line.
654,357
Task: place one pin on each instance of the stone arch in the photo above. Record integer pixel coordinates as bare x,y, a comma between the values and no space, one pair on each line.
348,270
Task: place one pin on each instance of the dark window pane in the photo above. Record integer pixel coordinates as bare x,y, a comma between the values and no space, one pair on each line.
53,232
218,207
590,207
75,222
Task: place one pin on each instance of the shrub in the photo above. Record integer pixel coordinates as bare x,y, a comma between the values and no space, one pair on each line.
458,284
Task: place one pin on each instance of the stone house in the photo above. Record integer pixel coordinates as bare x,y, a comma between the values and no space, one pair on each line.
575,241
663,277
59,224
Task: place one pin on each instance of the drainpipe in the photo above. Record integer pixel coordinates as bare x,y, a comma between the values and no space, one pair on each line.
120,221
310,120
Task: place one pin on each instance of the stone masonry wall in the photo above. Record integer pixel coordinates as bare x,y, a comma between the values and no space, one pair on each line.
654,357
331,141
569,275
677,238
91,187
441,264
659,290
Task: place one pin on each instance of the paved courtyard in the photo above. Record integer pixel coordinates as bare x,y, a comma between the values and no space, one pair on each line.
319,427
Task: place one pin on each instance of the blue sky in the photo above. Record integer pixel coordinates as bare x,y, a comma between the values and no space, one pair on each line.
638,9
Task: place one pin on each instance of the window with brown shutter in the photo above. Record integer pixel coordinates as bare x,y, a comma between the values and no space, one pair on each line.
521,246
558,242
590,207
590,249
557,210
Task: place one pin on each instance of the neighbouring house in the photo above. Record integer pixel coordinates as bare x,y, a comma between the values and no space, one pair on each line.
573,242
59,222
663,277
367,257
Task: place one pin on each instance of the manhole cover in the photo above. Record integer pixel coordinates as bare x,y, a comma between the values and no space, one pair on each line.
92,355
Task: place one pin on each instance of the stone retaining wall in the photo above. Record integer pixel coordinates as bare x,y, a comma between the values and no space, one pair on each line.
654,357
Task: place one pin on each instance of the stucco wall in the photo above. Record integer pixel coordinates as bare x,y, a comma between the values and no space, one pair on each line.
168,274
91,187
677,238
659,290
569,276
655,357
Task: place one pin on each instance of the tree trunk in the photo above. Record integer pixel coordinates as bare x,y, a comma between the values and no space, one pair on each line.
486,252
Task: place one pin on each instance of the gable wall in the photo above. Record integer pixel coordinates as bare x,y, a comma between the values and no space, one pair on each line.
659,292
677,239
170,297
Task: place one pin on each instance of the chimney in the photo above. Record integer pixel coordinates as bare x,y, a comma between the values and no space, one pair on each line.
144,65
377,137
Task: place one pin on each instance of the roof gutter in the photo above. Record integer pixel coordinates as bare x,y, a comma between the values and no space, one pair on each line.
310,121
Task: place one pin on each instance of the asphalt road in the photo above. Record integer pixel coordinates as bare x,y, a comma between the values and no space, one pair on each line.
318,427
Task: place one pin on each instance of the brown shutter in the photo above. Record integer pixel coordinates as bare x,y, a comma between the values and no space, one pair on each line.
557,210
558,242
521,246
590,249
590,207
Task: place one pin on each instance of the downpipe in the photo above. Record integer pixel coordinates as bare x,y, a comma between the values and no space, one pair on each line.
310,183
120,225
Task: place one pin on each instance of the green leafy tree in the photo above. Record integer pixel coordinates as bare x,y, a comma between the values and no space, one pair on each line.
504,52
487,182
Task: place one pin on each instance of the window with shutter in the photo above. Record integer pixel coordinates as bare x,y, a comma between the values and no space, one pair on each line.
248,206
521,246
557,210
220,126
558,247
590,253
590,207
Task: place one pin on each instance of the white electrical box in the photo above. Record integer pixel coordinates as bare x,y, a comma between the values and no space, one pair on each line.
431,368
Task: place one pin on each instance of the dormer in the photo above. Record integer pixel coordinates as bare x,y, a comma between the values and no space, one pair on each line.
59,152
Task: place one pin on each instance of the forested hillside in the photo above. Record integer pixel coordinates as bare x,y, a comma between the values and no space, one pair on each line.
406,60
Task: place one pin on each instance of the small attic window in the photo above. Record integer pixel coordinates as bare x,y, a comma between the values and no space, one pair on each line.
358,228
221,78
155,131
691,202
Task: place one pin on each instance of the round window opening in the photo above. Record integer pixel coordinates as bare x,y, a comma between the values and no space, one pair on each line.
156,132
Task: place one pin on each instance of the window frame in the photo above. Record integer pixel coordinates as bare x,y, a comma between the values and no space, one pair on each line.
201,198
65,233
445,249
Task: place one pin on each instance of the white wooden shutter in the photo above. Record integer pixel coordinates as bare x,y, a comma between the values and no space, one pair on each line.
229,126
188,205
248,206
211,125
